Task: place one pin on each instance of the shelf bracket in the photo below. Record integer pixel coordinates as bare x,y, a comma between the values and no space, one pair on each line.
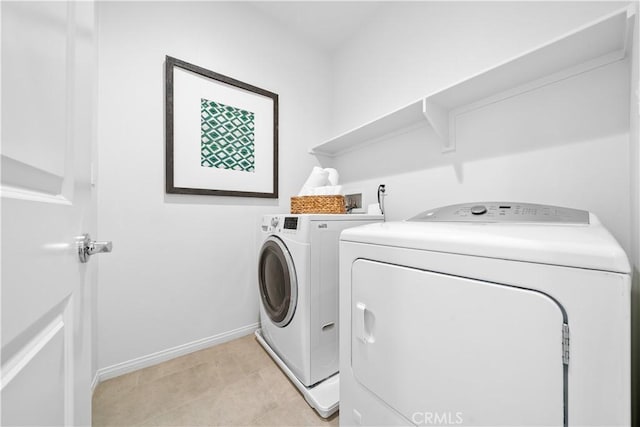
438,118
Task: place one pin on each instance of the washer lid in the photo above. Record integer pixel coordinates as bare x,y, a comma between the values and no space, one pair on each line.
578,245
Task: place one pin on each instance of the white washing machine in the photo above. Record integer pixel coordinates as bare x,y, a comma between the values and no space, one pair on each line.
485,314
298,281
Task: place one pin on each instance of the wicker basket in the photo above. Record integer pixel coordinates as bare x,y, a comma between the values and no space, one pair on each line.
318,205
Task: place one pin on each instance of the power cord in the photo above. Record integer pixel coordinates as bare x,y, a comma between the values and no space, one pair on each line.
381,194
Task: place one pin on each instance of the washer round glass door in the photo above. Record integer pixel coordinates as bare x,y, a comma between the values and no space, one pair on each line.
277,279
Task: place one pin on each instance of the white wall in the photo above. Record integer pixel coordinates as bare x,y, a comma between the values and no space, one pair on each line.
565,144
183,267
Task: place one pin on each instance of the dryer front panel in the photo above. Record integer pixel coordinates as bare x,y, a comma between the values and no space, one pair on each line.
476,353
277,281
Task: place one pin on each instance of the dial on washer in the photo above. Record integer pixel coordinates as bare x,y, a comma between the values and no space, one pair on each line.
478,209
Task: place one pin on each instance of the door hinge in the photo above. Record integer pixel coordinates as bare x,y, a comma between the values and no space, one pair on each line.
565,344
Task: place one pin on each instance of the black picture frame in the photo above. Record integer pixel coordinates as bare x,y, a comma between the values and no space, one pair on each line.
173,142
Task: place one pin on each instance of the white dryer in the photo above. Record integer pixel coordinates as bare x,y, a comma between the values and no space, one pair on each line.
485,314
298,282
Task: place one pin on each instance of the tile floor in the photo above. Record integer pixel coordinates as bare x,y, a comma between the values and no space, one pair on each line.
232,384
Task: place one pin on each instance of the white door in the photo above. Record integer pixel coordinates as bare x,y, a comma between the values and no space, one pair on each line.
48,106
442,349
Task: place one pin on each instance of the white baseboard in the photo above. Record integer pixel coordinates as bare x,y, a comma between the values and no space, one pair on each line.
162,356
94,382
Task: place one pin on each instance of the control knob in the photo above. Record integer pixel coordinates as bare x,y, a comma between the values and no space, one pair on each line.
478,209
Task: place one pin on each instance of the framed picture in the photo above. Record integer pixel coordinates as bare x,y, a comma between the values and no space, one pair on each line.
221,134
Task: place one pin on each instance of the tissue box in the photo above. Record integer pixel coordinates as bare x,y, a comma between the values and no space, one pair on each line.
318,205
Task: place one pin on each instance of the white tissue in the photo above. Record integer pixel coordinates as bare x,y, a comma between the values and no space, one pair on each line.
306,191
327,190
335,189
317,178
333,176
320,191
321,182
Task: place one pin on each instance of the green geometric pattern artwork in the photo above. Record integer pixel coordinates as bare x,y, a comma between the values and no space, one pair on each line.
227,138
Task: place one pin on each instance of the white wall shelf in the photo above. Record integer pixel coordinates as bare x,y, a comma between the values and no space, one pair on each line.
596,44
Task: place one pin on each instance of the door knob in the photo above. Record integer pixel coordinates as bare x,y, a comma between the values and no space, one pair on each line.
87,247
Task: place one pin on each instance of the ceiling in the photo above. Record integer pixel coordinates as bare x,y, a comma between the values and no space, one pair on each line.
326,24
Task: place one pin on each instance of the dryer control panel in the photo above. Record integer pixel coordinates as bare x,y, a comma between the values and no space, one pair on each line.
504,212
